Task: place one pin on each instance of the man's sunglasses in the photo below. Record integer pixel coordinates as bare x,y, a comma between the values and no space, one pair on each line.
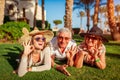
66,38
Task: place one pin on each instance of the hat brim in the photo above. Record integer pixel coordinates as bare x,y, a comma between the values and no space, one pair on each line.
47,34
103,38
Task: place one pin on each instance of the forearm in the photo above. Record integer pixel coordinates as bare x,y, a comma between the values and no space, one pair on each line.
79,60
70,62
100,63
22,69
41,68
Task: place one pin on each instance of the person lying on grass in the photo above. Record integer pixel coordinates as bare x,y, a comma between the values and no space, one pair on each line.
36,55
91,50
62,47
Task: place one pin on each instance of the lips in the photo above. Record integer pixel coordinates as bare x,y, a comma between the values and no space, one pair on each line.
40,44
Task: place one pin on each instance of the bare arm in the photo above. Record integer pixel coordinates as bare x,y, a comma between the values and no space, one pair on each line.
22,69
100,63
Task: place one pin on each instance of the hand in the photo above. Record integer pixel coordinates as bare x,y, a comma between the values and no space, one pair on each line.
71,52
62,68
27,48
93,52
29,69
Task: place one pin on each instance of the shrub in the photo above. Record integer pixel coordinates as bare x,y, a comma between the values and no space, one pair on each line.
39,24
12,30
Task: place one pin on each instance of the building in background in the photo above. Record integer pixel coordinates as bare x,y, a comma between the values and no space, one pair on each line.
23,10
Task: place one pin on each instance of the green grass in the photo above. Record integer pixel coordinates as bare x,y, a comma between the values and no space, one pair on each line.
9,52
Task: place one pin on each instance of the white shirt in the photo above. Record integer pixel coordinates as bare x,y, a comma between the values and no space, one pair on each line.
55,48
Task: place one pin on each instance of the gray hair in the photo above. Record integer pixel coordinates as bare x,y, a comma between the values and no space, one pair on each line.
64,30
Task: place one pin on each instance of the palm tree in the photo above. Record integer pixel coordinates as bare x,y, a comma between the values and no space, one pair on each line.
68,14
35,12
43,15
96,10
82,14
117,9
2,7
112,24
101,11
85,4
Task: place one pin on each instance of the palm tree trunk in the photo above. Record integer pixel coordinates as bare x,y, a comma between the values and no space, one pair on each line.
88,20
35,12
68,14
2,7
95,19
115,34
43,14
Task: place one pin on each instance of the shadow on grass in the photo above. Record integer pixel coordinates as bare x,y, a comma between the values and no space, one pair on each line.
12,55
113,55
111,44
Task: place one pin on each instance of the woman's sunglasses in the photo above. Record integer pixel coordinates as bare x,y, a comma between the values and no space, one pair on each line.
40,38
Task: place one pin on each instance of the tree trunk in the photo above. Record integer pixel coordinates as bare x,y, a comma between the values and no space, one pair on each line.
113,28
95,18
43,15
88,20
2,7
35,12
68,14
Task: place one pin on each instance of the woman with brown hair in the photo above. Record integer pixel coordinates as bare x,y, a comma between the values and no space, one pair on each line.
92,50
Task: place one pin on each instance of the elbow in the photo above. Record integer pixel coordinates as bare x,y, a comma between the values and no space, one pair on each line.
102,67
48,67
21,73
78,66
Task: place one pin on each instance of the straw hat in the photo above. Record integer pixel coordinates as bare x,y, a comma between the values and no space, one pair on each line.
28,35
95,30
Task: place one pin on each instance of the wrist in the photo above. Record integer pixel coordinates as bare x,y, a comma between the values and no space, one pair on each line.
97,60
24,55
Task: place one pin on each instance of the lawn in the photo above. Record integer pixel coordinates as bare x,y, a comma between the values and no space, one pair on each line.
9,52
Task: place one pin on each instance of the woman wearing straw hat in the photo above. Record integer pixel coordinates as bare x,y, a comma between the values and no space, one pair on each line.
36,54
92,50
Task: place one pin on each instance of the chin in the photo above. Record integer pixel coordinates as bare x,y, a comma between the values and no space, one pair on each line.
39,48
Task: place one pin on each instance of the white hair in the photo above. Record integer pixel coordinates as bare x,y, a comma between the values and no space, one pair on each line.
64,30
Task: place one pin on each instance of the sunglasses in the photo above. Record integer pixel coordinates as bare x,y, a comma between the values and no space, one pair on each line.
40,38
61,38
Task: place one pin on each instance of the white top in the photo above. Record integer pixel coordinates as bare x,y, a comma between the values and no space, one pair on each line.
55,48
44,64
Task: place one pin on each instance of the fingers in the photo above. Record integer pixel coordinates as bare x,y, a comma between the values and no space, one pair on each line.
66,72
65,65
25,43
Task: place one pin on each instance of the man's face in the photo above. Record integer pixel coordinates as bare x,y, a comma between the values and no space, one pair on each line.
63,39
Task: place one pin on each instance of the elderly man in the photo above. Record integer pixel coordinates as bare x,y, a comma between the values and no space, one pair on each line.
63,49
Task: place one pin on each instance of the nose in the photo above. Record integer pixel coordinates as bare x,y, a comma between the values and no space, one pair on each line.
63,39
90,39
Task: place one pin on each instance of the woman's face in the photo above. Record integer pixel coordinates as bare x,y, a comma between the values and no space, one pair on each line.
92,40
39,41
63,39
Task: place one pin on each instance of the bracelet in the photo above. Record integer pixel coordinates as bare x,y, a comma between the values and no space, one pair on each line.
97,60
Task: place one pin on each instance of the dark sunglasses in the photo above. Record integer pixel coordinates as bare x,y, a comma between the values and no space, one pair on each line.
40,38
66,38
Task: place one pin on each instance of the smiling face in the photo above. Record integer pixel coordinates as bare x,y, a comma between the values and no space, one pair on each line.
39,41
92,40
63,39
